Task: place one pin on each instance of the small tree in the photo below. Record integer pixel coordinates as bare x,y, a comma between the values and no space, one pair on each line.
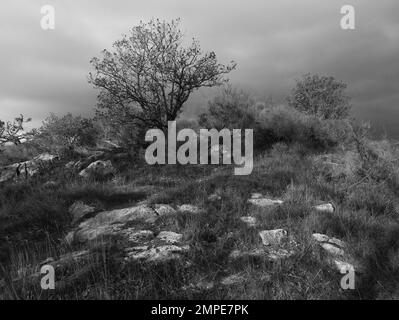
150,74
321,96
66,132
13,132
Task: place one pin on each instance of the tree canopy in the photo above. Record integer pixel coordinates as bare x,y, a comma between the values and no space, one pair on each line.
150,74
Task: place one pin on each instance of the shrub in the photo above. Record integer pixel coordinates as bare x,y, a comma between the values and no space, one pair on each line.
320,96
63,134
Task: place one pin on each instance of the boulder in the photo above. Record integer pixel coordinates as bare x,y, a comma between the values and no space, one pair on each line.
26,169
112,222
164,210
98,168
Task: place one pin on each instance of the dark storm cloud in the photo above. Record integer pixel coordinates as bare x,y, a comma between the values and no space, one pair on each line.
273,42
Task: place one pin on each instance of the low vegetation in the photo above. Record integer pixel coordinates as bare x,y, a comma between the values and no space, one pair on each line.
306,153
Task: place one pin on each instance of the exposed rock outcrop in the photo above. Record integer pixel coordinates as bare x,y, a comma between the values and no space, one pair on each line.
26,169
98,168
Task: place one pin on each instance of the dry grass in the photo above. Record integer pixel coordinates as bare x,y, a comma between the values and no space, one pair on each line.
33,219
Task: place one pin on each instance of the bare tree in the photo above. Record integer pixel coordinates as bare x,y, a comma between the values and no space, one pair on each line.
150,74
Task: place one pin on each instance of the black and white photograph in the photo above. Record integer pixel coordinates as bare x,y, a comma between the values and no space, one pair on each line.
199,155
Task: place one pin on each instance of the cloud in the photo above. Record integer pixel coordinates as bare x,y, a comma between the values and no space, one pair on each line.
274,42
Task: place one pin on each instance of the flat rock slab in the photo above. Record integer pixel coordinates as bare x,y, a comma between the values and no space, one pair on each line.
140,236
170,237
111,222
331,245
335,249
324,208
328,242
261,201
157,254
273,237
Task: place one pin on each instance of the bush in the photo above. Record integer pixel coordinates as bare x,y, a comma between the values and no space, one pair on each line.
320,96
234,109
64,134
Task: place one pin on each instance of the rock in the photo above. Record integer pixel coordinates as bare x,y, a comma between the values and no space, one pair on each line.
157,254
337,256
260,201
325,207
189,208
26,169
214,197
273,237
170,237
134,235
343,267
164,210
112,222
98,168
332,249
234,279
78,210
249,221
45,157
279,254
322,238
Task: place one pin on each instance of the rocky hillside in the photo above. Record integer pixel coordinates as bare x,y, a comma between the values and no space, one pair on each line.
290,230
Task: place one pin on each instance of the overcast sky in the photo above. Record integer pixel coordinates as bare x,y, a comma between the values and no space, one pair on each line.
273,41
